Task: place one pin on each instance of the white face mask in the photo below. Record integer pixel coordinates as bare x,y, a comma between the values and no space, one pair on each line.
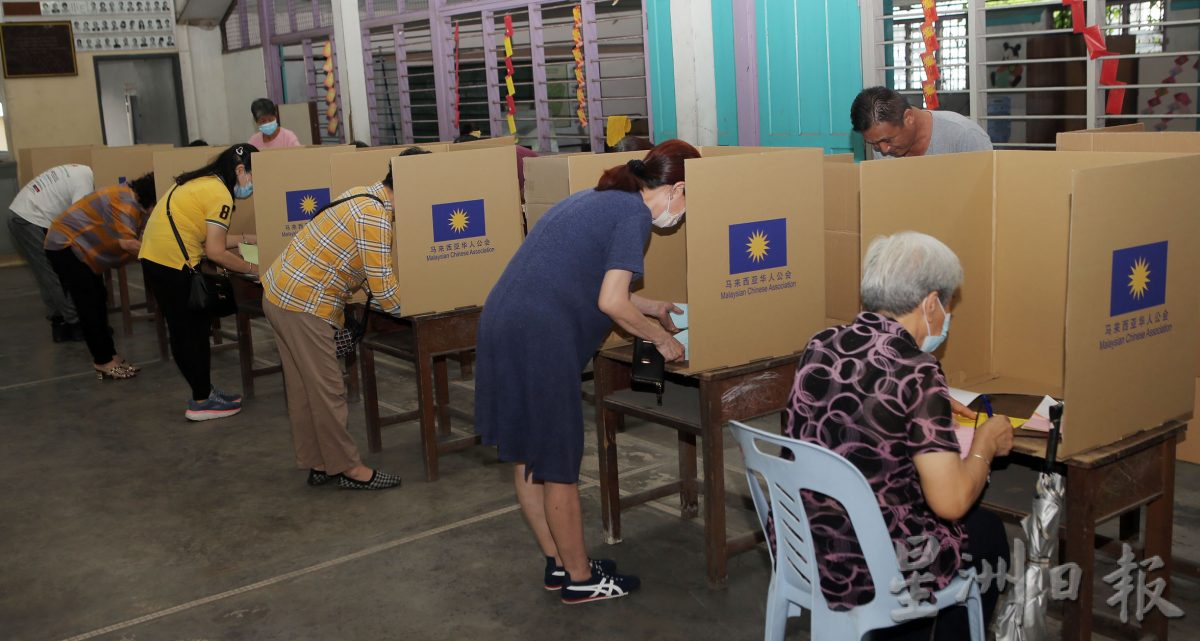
666,219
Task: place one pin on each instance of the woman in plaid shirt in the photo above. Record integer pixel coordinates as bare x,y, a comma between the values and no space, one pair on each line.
99,232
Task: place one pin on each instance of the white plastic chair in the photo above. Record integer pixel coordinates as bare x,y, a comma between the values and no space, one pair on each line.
795,582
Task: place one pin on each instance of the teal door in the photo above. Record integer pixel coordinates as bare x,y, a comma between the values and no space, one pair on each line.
809,70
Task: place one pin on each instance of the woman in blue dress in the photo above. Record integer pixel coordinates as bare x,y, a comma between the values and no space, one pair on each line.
556,301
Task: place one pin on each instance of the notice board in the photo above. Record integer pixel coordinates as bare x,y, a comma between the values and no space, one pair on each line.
37,49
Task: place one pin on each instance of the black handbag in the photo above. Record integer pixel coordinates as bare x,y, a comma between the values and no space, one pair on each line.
346,339
649,368
208,292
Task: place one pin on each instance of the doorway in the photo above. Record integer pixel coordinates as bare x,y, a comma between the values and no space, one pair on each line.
141,100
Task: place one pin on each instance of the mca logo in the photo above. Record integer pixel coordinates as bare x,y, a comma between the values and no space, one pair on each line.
303,203
458,220
757,246
1139,278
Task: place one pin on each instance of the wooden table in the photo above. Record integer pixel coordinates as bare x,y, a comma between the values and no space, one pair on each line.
695,405
427,340
1103,484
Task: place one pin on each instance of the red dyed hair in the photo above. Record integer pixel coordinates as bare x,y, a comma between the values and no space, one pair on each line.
662,166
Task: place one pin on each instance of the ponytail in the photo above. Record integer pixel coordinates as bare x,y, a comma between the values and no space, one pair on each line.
662,166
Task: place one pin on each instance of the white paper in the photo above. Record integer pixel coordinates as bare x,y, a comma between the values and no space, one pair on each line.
681,321
963,396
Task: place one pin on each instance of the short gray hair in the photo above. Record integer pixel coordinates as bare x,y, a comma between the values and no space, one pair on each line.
900,270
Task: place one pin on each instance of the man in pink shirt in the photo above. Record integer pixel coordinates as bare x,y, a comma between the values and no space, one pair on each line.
270,135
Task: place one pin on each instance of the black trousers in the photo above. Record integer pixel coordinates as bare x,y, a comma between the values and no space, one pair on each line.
86,288
189,330
986,541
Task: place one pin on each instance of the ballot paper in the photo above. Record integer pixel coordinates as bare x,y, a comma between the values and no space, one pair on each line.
249,252
681,322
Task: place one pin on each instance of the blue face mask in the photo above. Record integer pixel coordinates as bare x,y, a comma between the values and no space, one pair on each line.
269,129
931,341
243,192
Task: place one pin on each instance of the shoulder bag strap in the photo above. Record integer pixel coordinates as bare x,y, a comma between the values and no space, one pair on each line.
187,261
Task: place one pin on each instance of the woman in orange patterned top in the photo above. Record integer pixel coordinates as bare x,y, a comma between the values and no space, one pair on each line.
98,233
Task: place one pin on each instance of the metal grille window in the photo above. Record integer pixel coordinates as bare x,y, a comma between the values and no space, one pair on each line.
1027,74
240,29
412,93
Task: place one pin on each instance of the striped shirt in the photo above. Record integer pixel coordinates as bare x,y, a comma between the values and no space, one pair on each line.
334,254
92,226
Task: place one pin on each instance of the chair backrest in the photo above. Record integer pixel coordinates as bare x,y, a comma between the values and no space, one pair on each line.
816,469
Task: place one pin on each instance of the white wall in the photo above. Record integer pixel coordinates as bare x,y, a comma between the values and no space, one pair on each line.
695,82
204,93
245,80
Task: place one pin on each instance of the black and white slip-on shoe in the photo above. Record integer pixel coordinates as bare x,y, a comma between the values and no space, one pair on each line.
317,477
378,481
556,575
598,587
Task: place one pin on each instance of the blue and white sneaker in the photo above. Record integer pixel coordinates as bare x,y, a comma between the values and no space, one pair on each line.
598,587
556,574
232,398
213,407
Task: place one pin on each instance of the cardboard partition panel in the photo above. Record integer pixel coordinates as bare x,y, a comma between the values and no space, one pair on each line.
1061,258
457,226
754,284
298,117
290,185
1138,271
1136,127
112,165
483,143
33,161
549,179
1184,142
362,167
842,264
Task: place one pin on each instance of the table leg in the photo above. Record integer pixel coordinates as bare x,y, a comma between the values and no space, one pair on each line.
1080,544
466,365
126,304
714,483
1160,517
371,400
425,384
610,376
353,388
441,388
689,498
245,343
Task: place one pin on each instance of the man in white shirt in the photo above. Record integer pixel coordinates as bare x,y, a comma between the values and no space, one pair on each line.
895,129
30,215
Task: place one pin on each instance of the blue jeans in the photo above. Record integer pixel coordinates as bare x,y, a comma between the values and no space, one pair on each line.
29,240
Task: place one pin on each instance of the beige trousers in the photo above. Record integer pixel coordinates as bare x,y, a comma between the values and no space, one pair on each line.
316,392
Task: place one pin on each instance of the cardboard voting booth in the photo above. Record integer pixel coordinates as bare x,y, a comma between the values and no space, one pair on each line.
457,225
484,143
299,117
32,161
1102,246
290,185
114,165
549,179
363,167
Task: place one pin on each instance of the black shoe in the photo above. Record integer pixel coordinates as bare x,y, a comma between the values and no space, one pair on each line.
317,477
378,481
556,575
73,332
598,587
58,330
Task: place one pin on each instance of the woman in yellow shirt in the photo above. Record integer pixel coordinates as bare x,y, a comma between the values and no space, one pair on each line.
200,204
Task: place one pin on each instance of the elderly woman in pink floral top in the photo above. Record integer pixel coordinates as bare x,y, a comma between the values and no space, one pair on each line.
873,392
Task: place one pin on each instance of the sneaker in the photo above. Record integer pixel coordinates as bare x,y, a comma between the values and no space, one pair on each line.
557,574
378,481
598,587
229,398
212,407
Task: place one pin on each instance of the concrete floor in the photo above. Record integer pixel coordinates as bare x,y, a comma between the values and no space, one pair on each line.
125,522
